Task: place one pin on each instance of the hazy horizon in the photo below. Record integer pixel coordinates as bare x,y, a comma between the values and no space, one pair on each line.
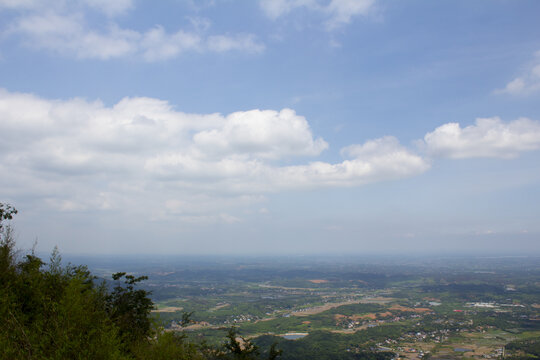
365,257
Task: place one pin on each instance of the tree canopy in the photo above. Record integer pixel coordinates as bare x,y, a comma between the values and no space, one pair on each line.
51,311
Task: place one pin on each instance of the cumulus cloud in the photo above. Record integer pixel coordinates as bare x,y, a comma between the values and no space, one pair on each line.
337,12
488,137
527,83
375,160
143,154
64,30
261,134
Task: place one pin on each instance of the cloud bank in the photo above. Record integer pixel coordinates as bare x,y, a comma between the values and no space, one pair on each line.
62,27
76,155
489,137
143,156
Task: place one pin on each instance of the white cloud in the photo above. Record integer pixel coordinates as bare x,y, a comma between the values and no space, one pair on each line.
68,33
20,4
261,134
341,11
386,145
489,137
108,7
156,44
337,12
527,83
248,172
277,8
142,155
375,160
242,42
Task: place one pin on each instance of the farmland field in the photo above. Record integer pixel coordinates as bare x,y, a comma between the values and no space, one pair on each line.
413,308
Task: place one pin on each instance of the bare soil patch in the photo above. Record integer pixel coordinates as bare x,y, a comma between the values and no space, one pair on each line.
200,325
266,319
320,309
369,316
217,307
384,314
168,309
318,281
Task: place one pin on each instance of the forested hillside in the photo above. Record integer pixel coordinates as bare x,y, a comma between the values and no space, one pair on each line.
50,311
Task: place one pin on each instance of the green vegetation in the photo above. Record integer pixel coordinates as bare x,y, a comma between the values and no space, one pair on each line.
249,308
54,312
324,346
452,309
49,311
524,349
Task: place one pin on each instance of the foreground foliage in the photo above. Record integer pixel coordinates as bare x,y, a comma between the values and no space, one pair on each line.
50,311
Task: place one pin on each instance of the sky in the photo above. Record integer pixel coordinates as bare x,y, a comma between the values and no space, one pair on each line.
271,126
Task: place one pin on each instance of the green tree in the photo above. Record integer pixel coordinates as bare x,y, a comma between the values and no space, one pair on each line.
6,213
238,347
130,308
274,352
50,311
54,313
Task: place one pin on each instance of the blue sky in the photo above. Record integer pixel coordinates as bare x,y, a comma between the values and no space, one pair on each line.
271,126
